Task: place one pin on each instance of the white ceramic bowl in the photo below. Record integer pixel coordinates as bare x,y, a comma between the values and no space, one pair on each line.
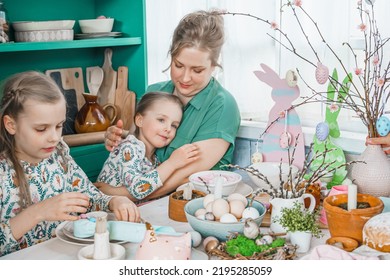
43,25
99,25
271,171
44,35
215,228
230,181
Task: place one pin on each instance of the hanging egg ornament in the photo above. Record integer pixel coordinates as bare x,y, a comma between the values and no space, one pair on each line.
322,131
322,73
257,157
285,140
383,125
291,78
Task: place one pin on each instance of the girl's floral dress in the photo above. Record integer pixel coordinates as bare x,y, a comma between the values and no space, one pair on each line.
52,176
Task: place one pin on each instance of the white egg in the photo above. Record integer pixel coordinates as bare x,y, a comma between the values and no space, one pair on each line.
250,212
228,218
220,207
236,208
237,196
208,198
209,206
200,211
196,238
201,217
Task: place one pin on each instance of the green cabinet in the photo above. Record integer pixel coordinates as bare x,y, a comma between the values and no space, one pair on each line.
128,50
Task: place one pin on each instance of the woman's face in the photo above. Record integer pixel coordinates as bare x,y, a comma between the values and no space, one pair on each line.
191,71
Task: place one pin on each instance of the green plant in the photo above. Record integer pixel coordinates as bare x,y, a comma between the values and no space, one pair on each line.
298,219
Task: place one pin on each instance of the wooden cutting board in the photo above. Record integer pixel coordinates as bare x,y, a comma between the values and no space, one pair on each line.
125,99
70,81
106,93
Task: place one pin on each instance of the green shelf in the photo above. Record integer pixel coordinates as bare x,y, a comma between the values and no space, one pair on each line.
74,44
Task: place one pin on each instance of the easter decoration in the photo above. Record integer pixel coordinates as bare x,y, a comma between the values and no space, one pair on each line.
284,126
329,129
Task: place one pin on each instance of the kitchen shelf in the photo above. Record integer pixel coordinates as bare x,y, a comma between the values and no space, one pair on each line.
74,44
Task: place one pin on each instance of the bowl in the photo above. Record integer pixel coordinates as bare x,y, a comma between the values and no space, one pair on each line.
100,25
229,185
271,171
215,228
21,26
44,35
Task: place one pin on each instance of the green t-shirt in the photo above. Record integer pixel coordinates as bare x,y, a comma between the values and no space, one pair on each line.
212,113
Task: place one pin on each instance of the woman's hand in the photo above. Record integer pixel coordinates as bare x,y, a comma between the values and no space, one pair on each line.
384,141
113,136
124,209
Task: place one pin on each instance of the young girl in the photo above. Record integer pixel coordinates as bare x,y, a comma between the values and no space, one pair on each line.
133,168
40,184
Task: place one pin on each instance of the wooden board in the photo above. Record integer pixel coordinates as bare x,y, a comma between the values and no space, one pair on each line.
106,93
71,83
125,99
84,138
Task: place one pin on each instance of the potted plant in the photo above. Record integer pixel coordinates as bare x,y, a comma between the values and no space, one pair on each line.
301,224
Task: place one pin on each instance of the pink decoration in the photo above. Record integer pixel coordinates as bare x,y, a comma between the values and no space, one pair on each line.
283,95
322,73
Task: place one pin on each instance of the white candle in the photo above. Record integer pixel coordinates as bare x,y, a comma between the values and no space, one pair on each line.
218,187
352,196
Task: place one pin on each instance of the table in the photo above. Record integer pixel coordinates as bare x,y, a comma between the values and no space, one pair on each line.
155,212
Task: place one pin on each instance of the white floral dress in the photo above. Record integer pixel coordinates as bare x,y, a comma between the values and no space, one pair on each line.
52,176
128,166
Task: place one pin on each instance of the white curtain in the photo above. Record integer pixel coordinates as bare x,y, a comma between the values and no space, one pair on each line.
247,45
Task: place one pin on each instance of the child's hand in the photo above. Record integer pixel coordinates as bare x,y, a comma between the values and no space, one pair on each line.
113,136
184,155
124,209
63,207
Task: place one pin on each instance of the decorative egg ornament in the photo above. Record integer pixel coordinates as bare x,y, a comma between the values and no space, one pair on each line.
322,73
322,131
383,125
291,78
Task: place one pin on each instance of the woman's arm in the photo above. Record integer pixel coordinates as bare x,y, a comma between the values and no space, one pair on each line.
210,152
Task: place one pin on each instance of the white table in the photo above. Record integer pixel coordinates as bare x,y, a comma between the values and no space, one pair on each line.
155,212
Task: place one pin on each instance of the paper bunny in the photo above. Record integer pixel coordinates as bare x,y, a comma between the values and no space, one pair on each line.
284,92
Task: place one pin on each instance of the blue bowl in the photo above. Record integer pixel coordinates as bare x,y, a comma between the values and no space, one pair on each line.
214,228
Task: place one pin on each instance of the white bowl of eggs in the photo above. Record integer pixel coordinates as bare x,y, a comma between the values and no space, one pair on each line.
221,217
228,179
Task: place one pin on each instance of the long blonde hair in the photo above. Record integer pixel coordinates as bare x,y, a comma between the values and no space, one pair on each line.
17,89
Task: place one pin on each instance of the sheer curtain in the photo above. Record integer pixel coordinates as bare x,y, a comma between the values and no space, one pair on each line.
247,45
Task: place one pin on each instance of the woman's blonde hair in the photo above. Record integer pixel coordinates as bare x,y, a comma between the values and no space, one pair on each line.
17,89
203,30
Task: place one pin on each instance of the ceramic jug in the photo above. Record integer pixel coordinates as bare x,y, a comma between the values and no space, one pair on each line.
92,117
279,203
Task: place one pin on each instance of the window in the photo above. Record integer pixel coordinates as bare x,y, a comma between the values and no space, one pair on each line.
247,45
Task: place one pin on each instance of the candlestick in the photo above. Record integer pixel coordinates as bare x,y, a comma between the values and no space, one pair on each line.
102,239
352,196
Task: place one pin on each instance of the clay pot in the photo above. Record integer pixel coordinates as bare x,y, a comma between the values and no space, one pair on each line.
176,205
350,223
92,117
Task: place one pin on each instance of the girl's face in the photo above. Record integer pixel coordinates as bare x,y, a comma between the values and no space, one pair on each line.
37,130
191,71
158,125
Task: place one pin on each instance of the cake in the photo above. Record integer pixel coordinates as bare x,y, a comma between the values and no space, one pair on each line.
376,232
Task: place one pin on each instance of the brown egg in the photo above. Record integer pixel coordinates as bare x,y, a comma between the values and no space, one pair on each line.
212,244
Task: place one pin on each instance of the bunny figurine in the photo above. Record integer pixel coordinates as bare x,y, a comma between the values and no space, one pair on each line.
283,133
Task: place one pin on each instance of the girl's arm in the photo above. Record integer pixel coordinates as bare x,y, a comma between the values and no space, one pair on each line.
210,152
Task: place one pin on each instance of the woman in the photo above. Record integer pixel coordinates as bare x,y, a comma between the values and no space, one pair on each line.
211,117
